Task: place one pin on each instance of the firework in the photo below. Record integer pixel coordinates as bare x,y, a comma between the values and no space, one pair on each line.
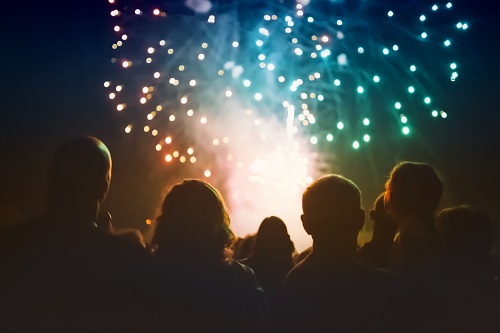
248,92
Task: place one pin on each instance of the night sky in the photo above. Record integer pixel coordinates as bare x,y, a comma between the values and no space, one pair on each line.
55,56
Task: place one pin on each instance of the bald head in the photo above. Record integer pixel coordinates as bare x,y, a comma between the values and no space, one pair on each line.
80,172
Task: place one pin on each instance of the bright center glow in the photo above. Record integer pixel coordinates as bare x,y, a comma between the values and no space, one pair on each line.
223,71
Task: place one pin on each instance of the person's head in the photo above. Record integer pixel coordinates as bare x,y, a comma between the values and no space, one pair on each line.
413,189
272,239
384,225
332,210
194,222
79,176
243,247
466,233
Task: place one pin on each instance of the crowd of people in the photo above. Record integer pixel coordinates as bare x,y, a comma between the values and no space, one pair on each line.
422,271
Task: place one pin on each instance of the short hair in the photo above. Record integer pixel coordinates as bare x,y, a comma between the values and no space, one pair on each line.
331,195
79,165
465,231
413,189
194,218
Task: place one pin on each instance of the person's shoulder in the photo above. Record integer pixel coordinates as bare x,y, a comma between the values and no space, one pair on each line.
119,245
243,274
240,269
374,272
247,262
299,272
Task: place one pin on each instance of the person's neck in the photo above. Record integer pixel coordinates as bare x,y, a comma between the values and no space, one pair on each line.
79,213
335,248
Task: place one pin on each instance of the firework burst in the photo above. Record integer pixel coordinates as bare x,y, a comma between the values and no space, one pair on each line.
250,93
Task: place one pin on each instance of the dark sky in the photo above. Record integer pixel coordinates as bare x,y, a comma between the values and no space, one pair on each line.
55,57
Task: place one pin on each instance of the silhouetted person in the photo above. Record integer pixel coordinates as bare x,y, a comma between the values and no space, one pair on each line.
272,257
412,196
202,288
377,251
243,247
330,290
467,237
60,272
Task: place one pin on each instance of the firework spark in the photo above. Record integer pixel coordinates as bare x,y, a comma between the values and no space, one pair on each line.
248,93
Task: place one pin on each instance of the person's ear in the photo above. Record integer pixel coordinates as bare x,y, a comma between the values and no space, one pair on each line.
373,215
306,223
